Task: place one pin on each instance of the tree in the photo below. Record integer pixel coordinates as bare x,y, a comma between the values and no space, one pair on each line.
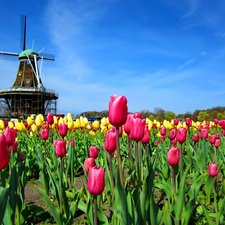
220,116
151,117
169,115
203,116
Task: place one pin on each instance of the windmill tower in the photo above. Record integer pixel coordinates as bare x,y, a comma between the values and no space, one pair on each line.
27,95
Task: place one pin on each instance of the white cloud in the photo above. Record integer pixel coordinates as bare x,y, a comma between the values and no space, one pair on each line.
186,63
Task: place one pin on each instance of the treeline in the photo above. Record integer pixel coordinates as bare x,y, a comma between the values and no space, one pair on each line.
160,114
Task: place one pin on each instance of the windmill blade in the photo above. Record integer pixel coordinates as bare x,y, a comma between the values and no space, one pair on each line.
47,56
23,25
9,56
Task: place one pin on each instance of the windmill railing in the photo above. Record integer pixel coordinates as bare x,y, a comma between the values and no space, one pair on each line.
28,89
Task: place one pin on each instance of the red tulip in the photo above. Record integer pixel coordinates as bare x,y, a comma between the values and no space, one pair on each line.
156,143
22,158
4,153
44,134
223,132
96,180
181,135
174,141
117,110
137,129
213,169
60,148
173,156
216,121
188,122
212,139
172,134
89,163
63,128
110,141
145,139
196,137
120,131
10,135
55,143
127,125
14,147
200,127
163,131
217,143
204,133
93,152
72,142
222,123
50,118
175,121
217,136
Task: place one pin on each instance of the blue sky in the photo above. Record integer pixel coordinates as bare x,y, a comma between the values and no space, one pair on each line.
158,53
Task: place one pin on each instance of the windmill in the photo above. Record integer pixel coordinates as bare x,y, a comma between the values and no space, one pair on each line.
27,95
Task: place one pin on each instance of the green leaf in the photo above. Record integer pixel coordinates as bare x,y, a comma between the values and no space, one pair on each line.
4,193
208,188
90,213
166,215
210,222
102,219
54,211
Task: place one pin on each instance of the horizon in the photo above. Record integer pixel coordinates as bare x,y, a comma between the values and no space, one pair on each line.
157,53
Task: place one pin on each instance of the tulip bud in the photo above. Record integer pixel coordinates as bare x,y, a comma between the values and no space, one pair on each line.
93,152
172,134
188,122
204,133
44,134
4,154
117,110
110,141
163,131
174,141
223,133
146,139
217,143
22,158
216,121
162,138
14,147
127,125
196,137
217,136
10,135
181,135
213,169
156,143
212,139
120,131
60,148
137,129
63,128
88,164
50,118
175,121
72,142
173,156
96,180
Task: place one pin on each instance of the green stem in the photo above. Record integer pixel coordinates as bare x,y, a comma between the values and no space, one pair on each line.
61,184
130,155
95,210
111,174
45,150
118,155
173,183
137,161
181,160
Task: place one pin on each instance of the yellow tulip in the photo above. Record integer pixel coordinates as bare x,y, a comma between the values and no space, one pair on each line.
70,124
179,125
92,133
95,125
77,123
110,126
124,134
82,123
55,120
88,126
2,125
171,126
158,135
147,120
31,134
10,124
61,120
41,117
53,126
29,121
158,125
68,116
38,120
104,130
104,121
185,126
1,131
85,120
33,128
150,124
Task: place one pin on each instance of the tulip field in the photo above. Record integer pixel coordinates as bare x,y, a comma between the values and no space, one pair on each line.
132,170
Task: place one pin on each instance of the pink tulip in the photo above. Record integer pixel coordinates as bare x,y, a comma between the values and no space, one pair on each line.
181,135
44,134
120,131
213,169
96,180
175,121
145,139
217,136
172,134
212,139
223,133
60,148
10,135
200,127
174,141
72,142
50,118
4,153
93,152
204,133
216,121
162,138
137,129
188,122
55,143
196,137
163,131
222,123
14,147
22,157
118,110
110,141
217,143
173,156
127,125
63,128
156,143
88,164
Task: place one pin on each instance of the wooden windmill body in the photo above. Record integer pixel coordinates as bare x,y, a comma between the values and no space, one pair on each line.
27,95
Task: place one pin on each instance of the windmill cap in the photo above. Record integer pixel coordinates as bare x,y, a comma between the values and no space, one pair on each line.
28,52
